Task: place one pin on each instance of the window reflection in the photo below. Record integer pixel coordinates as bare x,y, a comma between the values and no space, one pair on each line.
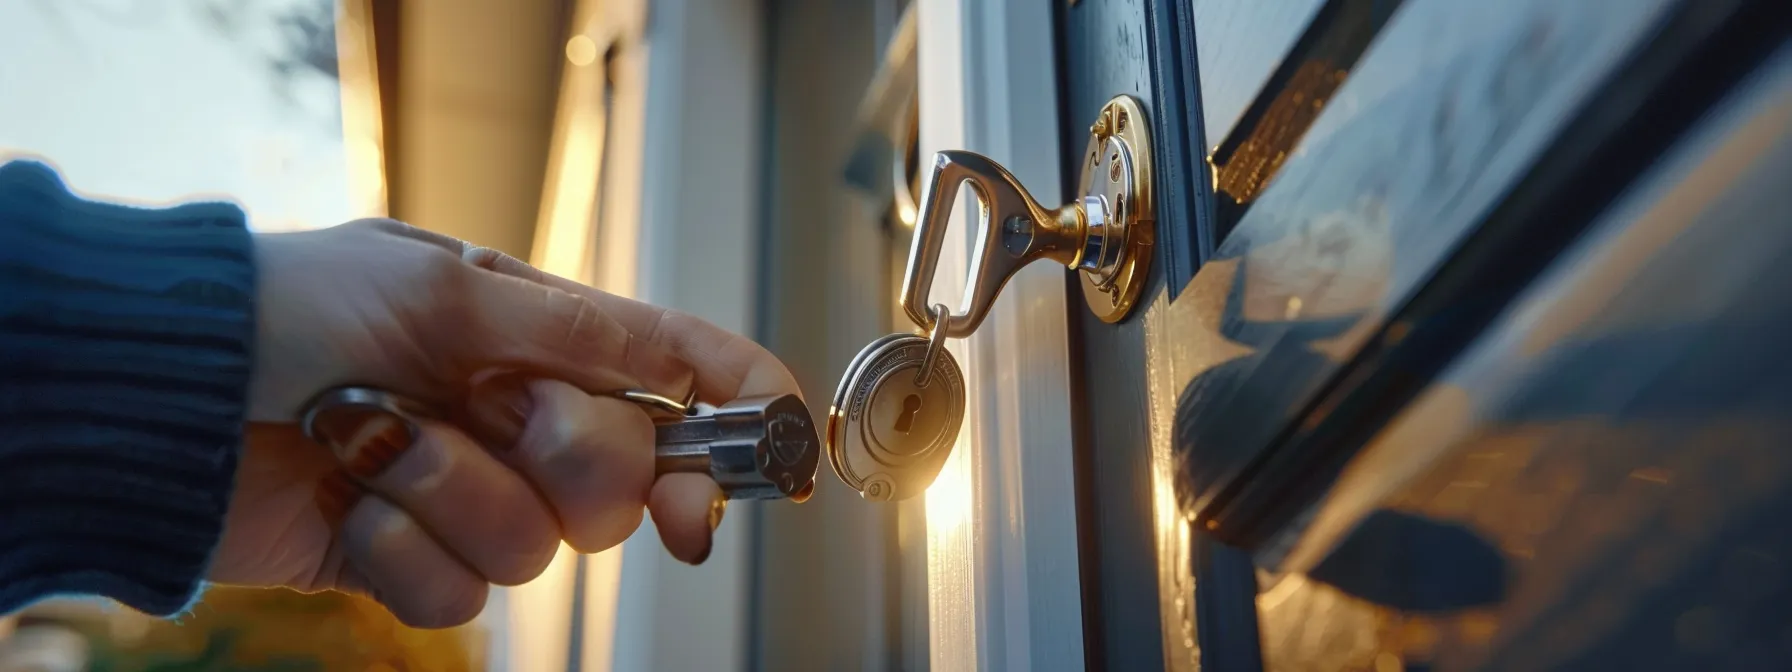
163,100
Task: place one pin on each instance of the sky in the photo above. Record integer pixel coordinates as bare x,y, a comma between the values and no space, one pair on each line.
142,101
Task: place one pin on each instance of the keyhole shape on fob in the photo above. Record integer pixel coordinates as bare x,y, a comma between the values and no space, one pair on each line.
906,419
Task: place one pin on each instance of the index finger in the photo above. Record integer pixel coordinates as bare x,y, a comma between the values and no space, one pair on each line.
727,365
556,329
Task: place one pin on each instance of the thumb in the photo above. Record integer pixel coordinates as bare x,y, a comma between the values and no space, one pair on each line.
509,322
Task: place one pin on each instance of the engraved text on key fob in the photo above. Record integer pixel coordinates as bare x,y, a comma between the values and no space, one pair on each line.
888,434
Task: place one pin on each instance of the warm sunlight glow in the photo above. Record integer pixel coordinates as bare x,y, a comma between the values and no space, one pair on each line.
603,590
362,132
540,614
580,50
949,498
950,507
952,561
564,241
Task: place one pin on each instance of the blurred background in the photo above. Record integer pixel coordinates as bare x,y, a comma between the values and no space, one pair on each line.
600,139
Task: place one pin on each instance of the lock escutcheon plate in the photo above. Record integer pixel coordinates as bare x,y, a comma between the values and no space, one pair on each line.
1115,188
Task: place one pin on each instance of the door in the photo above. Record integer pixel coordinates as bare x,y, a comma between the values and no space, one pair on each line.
1453,336
1454,351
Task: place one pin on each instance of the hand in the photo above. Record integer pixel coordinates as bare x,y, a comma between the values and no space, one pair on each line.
535,454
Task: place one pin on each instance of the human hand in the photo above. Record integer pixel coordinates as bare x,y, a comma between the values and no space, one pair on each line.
531,457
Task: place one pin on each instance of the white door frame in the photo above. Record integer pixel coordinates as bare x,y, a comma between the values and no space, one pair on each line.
1004,586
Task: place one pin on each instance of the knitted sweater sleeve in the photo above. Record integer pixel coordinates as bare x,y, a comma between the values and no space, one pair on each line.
125,338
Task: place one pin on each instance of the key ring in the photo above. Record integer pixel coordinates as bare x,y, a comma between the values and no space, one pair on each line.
686,408
365,399
936,339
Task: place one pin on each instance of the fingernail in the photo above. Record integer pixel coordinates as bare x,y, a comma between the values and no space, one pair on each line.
705,554
380,442
716,509
336,493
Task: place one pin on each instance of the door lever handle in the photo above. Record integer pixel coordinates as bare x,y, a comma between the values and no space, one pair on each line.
1106,233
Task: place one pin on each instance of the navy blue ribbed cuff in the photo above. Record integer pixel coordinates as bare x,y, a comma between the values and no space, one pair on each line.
125,354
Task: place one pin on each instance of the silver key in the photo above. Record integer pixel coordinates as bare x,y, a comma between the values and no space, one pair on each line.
754,448
891,426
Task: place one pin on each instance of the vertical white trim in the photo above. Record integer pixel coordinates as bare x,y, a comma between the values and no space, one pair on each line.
1004,587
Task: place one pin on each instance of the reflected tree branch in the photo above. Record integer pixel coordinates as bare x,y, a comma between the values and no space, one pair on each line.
303,31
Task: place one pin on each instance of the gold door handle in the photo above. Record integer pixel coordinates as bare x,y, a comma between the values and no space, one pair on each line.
1106,233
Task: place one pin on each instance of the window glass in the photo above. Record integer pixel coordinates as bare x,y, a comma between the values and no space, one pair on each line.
158,101
163,100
